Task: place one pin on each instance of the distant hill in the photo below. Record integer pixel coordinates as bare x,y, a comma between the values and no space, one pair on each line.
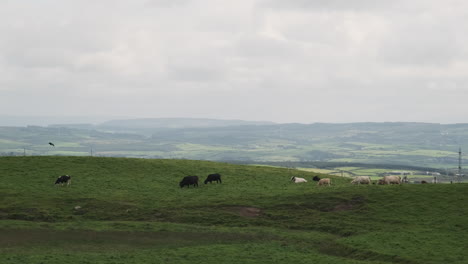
147,126
148,123
39,120
416,144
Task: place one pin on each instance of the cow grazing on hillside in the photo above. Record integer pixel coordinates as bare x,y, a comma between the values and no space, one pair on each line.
362,180
392,179
325,181
297,179
63,179
213,177
316,178
189,180
380,182
423,182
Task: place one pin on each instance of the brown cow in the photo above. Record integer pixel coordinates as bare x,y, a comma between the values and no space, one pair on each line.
324,181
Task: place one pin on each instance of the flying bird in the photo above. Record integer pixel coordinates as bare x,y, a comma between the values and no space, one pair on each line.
52,144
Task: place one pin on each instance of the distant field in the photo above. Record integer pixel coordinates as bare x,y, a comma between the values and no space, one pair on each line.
325,171
415,144
124,210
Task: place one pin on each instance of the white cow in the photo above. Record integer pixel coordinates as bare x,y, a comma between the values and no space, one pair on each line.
391,180
362,180
297,179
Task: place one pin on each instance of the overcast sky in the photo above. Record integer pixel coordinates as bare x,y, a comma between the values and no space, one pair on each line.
285,61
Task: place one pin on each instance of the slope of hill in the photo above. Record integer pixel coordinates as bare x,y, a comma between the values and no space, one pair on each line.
132,211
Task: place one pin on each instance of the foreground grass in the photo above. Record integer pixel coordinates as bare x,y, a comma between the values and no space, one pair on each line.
132,211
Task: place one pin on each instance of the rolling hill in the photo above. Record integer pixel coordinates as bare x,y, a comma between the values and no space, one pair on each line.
126,210
415,144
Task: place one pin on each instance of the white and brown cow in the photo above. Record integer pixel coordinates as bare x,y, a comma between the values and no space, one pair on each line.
324,181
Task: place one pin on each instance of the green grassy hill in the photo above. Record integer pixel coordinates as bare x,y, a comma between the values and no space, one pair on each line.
121,210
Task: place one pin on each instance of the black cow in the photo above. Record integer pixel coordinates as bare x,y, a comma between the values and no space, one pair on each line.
316,178
63,179
213,177
189,180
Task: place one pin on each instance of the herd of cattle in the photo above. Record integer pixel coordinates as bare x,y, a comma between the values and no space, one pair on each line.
193,180
356,180
186,181
324,181
216,177
392,179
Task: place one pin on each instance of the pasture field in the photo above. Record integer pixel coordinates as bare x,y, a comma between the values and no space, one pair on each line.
125,210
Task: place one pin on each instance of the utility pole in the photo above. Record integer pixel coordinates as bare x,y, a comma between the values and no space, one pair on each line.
459,175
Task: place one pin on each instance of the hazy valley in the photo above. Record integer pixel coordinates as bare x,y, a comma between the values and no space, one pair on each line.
411,144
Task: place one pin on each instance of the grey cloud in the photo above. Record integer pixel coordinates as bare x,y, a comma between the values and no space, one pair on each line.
285,61
254,46
331,5
423,40
166,3
200,73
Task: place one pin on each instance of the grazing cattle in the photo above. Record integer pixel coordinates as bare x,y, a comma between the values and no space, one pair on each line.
189,180
423,182
362,180
392,179
316,178
213,177
297,179
325,181
63,179
381,182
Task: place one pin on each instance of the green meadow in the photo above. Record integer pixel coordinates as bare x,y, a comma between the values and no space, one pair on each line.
128,210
